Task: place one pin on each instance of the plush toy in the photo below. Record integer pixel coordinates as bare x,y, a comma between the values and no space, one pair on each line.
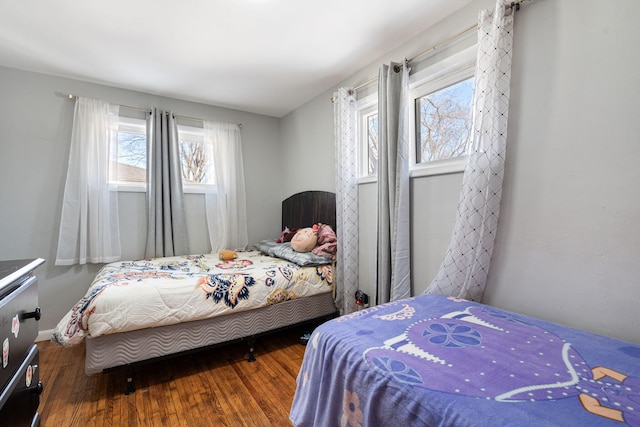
283,235
286,235
227,255
305,239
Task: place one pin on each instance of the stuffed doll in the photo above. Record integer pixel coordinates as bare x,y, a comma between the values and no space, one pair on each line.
305,239
286,235
226,255
283,235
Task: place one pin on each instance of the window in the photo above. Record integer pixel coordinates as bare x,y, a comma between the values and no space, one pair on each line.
372,143
442,96
368,136
129,161
197,159
128,166
443,122
443,125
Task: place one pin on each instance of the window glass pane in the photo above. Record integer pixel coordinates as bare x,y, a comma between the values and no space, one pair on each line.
372,144
444,122
130,161
197,166
194,162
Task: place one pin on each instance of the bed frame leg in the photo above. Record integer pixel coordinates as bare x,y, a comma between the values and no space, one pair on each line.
131,388
252,356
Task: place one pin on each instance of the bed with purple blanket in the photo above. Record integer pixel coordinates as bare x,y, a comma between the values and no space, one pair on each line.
439,361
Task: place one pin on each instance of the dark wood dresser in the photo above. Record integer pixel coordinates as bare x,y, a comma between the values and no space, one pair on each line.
20,387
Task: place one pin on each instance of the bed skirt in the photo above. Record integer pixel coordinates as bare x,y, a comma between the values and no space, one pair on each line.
115,350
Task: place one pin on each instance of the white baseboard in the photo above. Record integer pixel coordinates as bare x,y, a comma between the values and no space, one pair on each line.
44,335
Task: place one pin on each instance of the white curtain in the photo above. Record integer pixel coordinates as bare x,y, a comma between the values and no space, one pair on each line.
166,226
344,110
89,229
394,257
464,270
226,201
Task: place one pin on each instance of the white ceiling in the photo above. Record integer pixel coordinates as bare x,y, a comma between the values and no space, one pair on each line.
262,56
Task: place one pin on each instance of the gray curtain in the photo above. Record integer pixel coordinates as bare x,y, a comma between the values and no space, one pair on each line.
394,264
166,229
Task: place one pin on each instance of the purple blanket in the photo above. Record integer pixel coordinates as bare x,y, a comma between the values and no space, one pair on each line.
438,361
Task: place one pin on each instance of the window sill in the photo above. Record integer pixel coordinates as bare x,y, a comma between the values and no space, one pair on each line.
122,187
439,167
436,168
367,180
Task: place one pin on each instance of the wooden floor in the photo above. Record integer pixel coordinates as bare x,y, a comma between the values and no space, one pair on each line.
216,387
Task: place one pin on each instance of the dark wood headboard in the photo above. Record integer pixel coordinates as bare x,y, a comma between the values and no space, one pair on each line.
308,208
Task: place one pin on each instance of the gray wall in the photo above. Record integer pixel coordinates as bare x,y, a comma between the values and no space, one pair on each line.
308,154
567,247
35,130
568,240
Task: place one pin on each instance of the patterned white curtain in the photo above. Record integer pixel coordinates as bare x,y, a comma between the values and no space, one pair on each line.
344,109
464,270
394,242
226,203
89,229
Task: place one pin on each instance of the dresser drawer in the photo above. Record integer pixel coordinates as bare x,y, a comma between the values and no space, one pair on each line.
18,326
21,397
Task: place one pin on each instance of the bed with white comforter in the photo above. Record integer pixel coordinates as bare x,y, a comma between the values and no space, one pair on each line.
132,295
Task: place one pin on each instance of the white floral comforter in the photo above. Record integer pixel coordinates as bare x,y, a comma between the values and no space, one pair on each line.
132,295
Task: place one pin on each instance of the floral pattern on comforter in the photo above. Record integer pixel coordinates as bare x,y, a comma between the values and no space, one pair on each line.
130,295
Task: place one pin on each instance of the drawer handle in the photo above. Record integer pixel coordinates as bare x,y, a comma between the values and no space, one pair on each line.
34,314
38,388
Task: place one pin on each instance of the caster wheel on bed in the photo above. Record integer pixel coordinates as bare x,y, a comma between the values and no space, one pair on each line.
130,387
252,356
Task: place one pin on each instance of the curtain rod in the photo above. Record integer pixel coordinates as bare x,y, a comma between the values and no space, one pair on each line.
421,54
515,5
148,110
129,107
198,119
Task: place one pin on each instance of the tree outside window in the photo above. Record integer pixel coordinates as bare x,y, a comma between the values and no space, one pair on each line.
129,159
372,144
444,122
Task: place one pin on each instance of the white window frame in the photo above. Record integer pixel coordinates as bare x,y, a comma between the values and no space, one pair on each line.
365,107
198,133
442,74
127,186
141,187
451,70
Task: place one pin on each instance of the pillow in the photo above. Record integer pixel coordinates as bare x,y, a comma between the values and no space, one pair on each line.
305,240
267,247
285,251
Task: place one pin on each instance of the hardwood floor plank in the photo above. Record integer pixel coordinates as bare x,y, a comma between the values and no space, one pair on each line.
212,387
273,403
